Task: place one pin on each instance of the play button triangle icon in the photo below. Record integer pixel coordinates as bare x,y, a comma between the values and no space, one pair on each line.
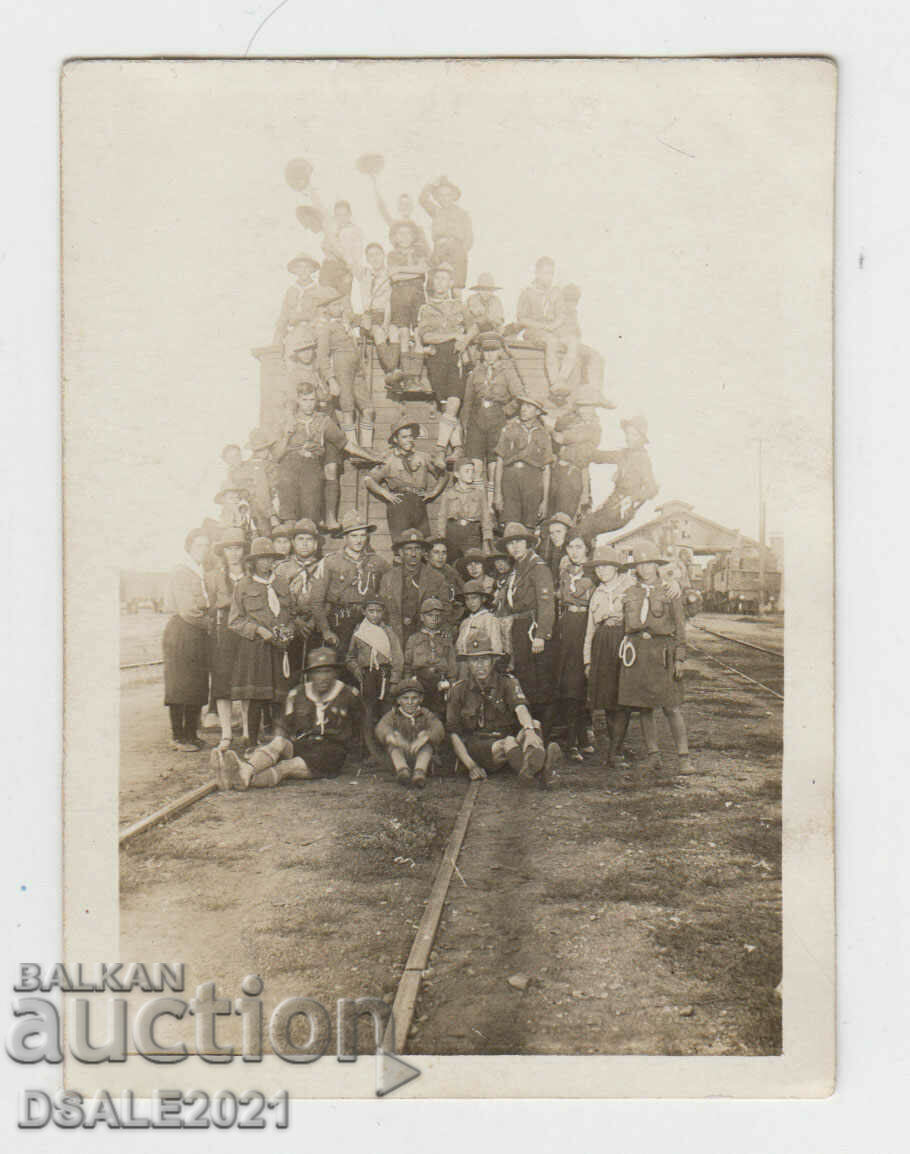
392,1072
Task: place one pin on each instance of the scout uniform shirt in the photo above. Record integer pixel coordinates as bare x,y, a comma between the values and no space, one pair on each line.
335,717
634,474
545,306
524,444
375,292
298,307
402,472
605,606
580,438
449,222
342,580
333,333
483,623
292,579
489,709
465,504
309,436
400,724
440,315
529,593
575,587
430,652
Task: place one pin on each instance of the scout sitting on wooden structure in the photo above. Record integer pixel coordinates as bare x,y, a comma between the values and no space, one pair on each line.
410,734
633,484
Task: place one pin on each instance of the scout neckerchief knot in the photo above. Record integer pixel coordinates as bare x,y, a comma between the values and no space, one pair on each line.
646,604
271,595
322,703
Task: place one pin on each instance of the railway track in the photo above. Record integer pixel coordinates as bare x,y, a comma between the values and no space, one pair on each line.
778,657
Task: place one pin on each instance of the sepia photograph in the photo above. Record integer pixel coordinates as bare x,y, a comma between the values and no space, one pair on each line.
448,561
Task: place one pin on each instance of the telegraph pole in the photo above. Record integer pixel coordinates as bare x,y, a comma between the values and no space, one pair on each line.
761,528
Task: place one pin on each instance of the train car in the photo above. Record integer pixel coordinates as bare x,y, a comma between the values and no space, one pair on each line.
732,581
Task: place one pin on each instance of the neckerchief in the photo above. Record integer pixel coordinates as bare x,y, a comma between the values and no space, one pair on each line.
196,570
377,639
271,595
646,604
322,702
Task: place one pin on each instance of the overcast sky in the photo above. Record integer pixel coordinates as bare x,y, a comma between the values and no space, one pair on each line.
691,202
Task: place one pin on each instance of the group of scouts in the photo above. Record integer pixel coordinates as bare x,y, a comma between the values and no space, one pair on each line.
350,650
506,622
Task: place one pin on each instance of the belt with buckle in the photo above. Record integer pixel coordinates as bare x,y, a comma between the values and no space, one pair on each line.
576,608
465,520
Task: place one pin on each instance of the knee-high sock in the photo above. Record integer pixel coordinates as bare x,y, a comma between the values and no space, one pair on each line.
349,425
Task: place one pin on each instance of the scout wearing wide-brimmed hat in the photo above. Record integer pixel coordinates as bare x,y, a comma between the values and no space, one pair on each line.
230,491
453,234
490,723
409,733
442,325
298,306
554,537
405,585
303,264
472,566
293,579
320,724
375,660
231,537
603,638
524,454
407,480
411,537
343,578
653,651
484,307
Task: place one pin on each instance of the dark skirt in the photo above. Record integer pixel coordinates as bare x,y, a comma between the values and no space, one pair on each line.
569,669
603,680
649,682
258,674
533,670
186,663
224,654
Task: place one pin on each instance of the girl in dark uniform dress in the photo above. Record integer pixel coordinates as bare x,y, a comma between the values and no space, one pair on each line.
603,636
261,617
186,644
573,593
653,653
221,581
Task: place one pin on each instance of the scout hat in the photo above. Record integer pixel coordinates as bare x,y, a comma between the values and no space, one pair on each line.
605,555
302,258
646,552
370,164
372,599
640,423
561,519
515,531
475,586
404,423
230,537
430,603
498,551
305,526
439,539
410,537
297,173
470,555
285,529
223,492
481,646
409,685
524,399
351,522
260,439
485,284
261,547
325,658
310,217
444,182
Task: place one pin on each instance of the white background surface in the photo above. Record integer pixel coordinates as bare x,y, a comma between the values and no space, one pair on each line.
872,415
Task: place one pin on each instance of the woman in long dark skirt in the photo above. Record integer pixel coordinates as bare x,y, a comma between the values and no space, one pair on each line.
221,580
186,644
261,615
653,653
573,594
603,636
